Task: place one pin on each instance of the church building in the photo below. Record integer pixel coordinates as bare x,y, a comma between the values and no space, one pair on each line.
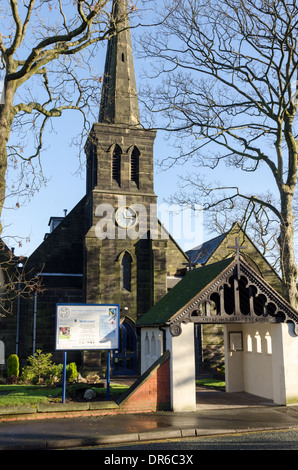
111,248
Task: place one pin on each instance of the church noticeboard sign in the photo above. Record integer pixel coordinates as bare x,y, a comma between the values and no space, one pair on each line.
87,326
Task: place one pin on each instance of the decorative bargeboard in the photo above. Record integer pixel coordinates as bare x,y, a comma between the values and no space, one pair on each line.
238,295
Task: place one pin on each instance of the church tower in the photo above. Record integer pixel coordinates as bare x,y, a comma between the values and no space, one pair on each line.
125,262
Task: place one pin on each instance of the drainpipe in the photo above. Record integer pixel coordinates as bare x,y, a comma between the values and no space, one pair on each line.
34,322
19,266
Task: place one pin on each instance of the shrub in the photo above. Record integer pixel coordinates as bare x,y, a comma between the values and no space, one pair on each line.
13,366
28,375
12,379
40,368
71,372
59,372
221,369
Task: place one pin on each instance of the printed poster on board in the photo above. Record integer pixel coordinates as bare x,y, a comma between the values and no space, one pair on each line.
85,326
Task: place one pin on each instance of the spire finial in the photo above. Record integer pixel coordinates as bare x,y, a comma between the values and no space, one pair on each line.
119,100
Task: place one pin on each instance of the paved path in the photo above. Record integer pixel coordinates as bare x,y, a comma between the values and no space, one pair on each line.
217,413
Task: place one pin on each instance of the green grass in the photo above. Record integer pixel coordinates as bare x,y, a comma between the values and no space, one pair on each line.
211,383
115,390
17,395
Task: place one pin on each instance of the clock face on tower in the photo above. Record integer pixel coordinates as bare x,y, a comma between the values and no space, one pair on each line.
126,217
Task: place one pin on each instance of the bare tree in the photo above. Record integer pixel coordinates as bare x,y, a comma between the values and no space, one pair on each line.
47,48
229,92
222,210
16,281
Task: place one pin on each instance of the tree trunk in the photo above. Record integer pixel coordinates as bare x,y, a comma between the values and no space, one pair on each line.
6,118
288,262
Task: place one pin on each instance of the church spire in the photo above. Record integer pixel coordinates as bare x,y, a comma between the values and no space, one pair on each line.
119,100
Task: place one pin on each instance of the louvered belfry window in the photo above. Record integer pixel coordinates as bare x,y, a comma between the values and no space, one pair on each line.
116,164
134,168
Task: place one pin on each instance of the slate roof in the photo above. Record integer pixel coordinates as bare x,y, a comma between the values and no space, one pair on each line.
200,254
191,285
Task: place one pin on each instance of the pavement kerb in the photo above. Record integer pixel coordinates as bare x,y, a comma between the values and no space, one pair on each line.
132,437
92,441
87,409
110,440
55,410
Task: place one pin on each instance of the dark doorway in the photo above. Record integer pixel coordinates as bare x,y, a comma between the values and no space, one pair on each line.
125,358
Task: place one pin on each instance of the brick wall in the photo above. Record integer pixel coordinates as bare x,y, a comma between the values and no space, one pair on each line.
152,391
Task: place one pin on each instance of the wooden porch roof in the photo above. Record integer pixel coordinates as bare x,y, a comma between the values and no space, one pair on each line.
229,291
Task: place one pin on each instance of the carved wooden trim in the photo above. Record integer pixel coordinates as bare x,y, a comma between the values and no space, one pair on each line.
199,309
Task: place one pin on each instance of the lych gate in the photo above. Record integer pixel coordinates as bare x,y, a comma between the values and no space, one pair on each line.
260,328
237,295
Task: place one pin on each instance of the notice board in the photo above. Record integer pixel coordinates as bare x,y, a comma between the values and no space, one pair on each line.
87,326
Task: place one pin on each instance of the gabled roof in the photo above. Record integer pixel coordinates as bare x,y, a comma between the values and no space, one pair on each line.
219,247
192,283
185,301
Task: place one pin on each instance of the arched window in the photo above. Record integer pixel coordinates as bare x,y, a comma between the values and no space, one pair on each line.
153,345
258,342
147,347
116,164
126,271
134,165
268,343
249,343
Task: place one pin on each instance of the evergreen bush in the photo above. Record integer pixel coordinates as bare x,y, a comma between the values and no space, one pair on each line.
13,366
40,368
71,372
